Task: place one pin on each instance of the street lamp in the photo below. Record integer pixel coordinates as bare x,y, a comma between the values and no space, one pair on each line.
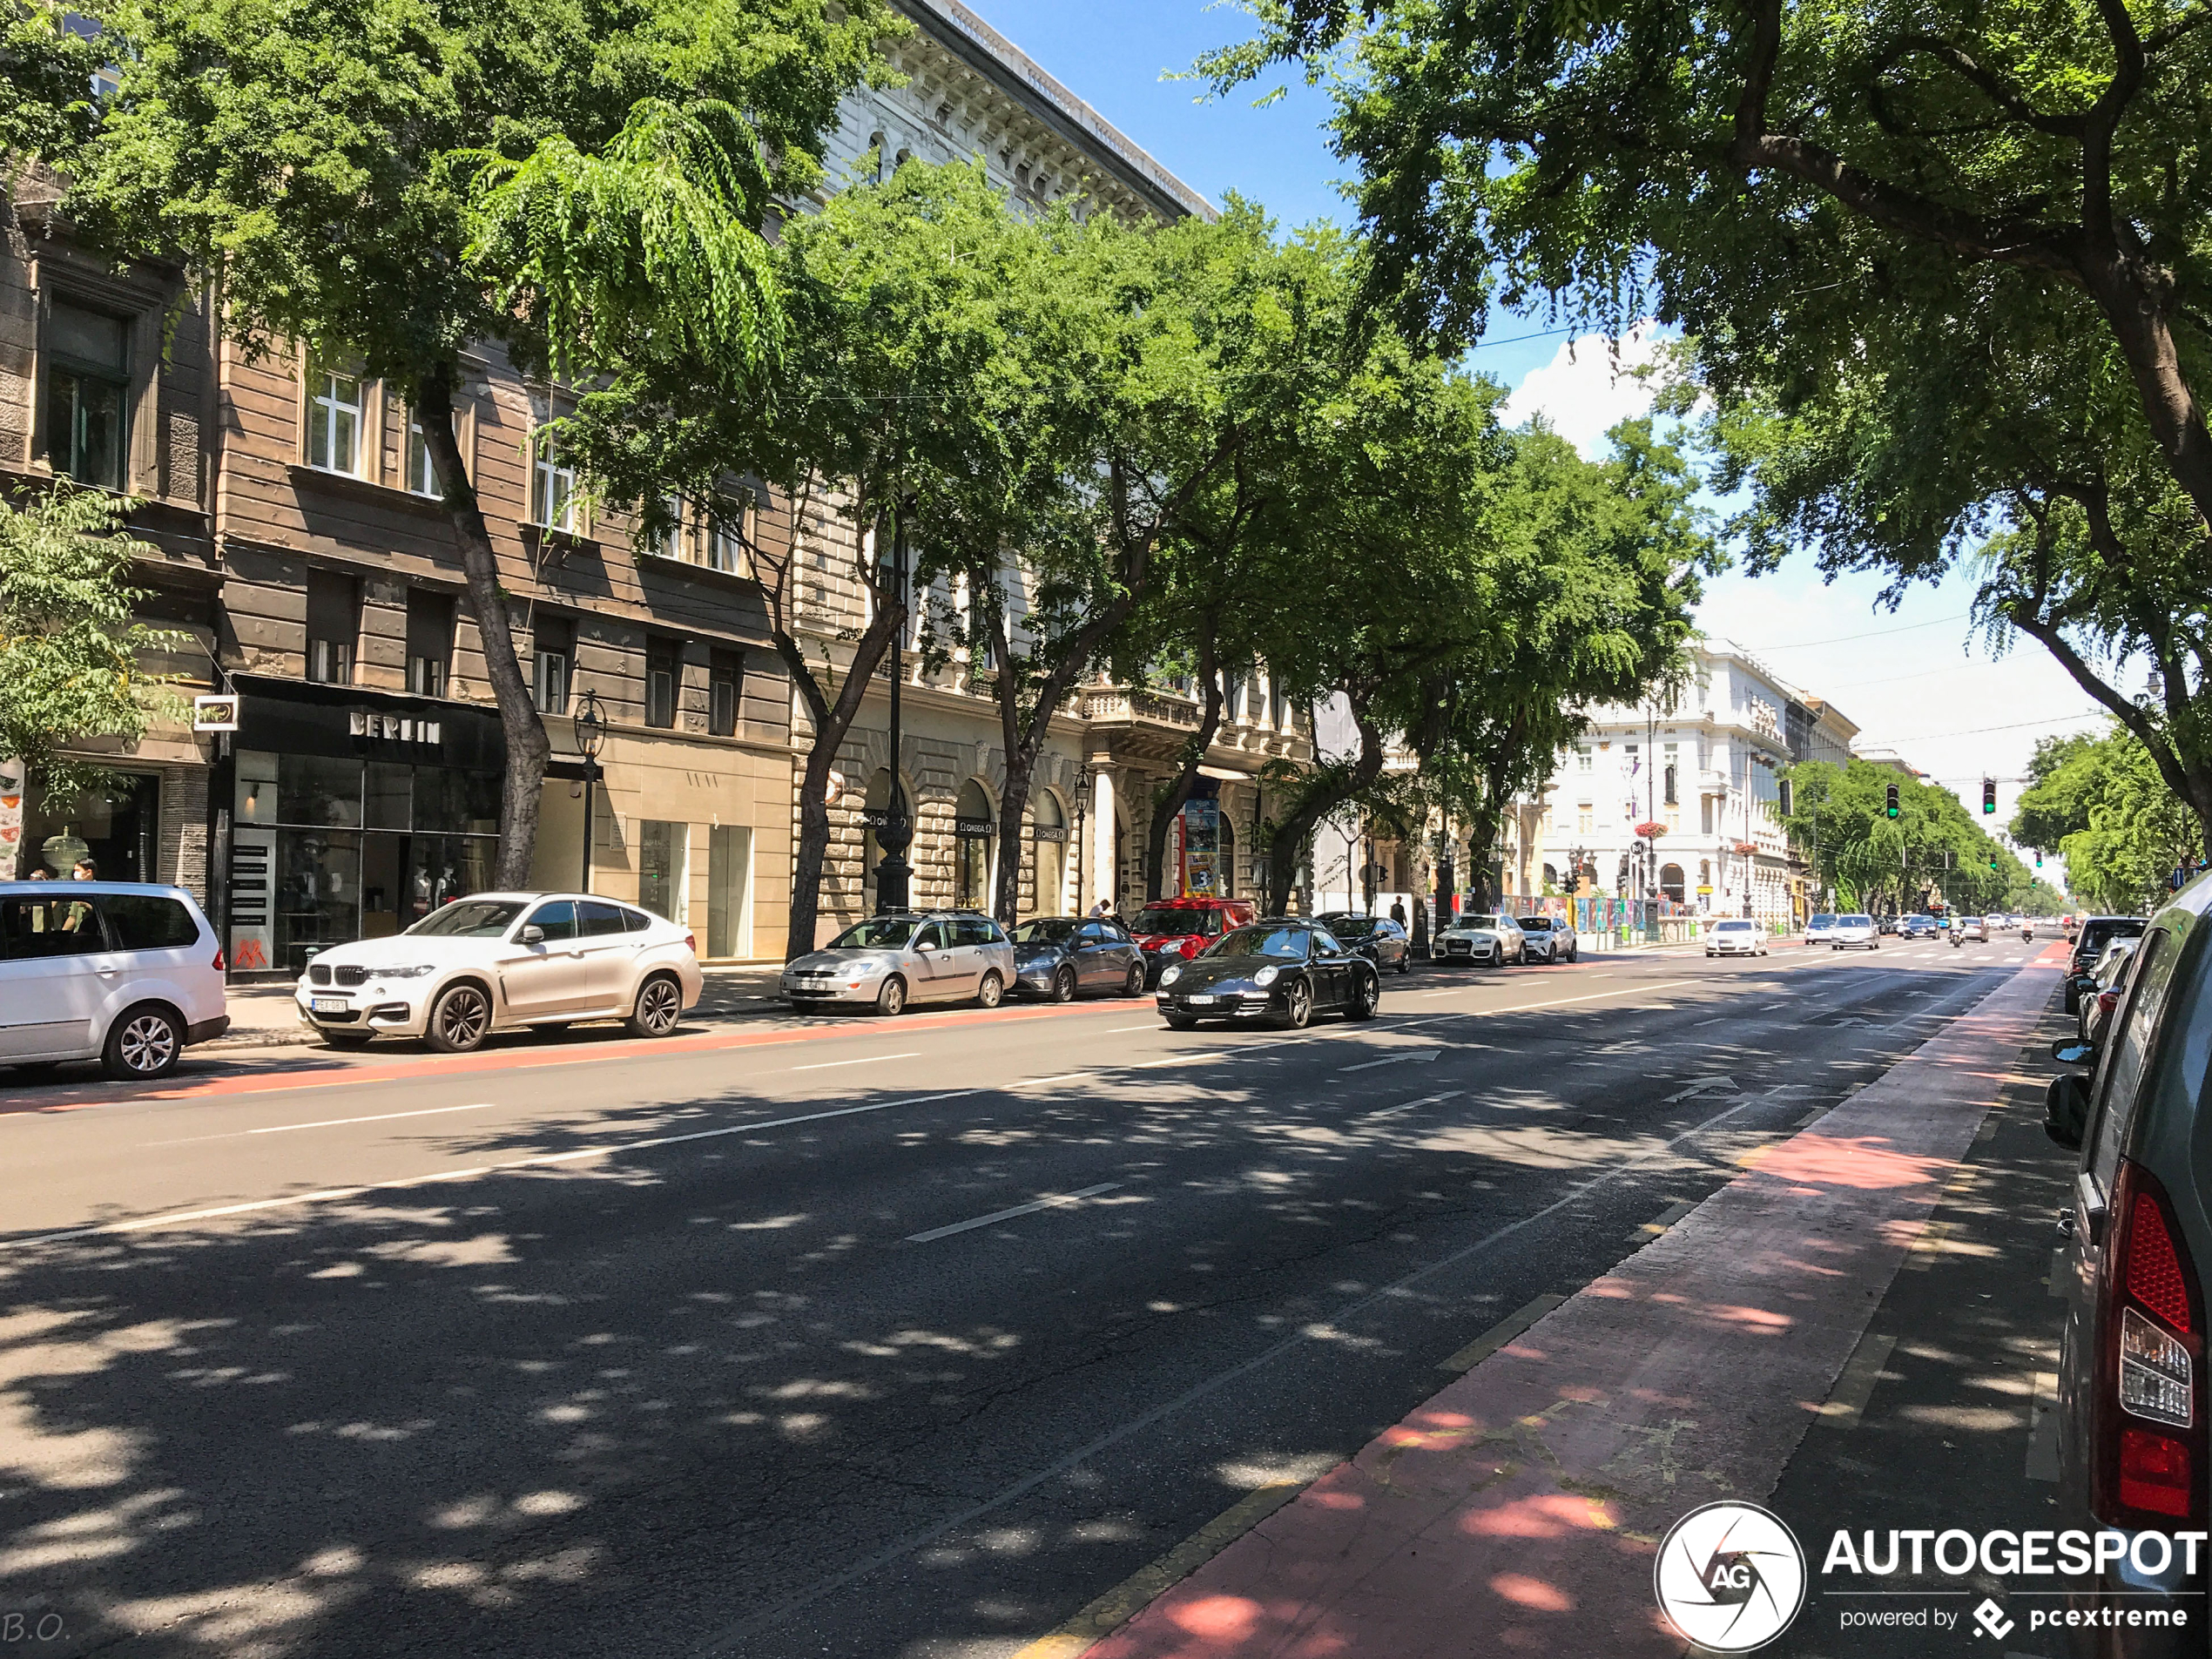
590,737
1083,841
897,832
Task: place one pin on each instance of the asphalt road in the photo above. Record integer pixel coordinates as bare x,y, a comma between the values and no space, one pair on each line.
728,1346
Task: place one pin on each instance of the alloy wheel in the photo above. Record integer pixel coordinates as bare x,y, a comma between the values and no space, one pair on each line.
148,1045
1063,986
462,1016
660,1005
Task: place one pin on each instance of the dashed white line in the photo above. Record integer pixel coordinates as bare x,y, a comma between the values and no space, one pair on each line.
1053,1203
865,1060
1056,1077
380,1117
1425,1099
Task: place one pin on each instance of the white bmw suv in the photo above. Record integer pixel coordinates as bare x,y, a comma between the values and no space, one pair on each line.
499,962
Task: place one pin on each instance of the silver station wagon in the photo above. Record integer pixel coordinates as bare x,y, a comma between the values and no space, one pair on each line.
888,963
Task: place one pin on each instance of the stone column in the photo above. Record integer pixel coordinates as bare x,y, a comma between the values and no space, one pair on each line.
1104,874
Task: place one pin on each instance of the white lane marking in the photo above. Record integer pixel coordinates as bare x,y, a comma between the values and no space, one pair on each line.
1769,1007
1715,1020
1149,1025
865,1060
1392,1059
179,1217
1056,1077
381,1117
1176,1060
1053,1203
1425,1099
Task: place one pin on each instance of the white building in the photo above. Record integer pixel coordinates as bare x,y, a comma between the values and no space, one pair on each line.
1704,767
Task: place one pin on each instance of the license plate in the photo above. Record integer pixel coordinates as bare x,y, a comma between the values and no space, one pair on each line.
330,1005
1199,1001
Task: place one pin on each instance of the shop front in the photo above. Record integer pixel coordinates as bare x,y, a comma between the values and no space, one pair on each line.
356,814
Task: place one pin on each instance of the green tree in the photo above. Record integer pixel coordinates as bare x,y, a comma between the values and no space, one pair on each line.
1941,272
1839,822
2101,802
71,658
355,179
46,69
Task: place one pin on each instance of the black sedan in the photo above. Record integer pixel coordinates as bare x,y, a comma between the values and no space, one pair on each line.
1063,957
1381,941
1282,971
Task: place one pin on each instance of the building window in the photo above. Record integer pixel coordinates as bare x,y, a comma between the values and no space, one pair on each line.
334,421
421,471
664,857
663,673
725,548
668,542
724,678
1582,758
555,647
1705,814
552,488
429,642
88,381
334,627
1584,822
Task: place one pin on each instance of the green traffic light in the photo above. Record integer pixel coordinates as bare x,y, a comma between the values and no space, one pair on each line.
1892,812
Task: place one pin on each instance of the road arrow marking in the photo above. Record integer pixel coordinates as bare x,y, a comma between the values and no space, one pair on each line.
1703,1086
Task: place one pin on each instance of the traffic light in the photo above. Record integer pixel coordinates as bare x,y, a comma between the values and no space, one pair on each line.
1989,794
2039,857
1893,801
1993,860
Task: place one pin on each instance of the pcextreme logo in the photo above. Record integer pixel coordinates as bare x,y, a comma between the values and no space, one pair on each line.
1730,1576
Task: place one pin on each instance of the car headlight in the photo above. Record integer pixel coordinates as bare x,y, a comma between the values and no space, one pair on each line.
1266,976
1170,976
415,971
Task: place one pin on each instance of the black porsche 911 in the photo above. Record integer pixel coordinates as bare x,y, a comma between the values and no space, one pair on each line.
1283,971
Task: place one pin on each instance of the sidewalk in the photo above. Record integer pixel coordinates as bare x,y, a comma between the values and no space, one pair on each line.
1518,1511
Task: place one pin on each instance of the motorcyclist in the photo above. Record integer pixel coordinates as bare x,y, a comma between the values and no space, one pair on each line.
2027,931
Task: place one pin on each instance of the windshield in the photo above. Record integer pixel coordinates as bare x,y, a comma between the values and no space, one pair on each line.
1822,920
1733,928
1201,923
470,919
880,933
1051,930
1476,921
1349,927
1859,921
1288,943
1535,924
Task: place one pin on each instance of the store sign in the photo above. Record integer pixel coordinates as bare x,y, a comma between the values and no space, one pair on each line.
1050,832
974,829
11,777
394,728
214,713
875,817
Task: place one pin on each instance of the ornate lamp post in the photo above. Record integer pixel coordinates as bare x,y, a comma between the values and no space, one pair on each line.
897,833
590,739
1083,781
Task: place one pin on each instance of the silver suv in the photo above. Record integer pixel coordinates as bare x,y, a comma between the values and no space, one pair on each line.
2133,1398
886,962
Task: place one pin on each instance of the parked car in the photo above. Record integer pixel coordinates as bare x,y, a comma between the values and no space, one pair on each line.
1917,928
1550,939
2107,979
1973,928
2132,1400
1818,928
1177,929
126,972
1281,970
888,963
1064,957
1381,941
2095,933
1885,924
1492,938
1733,937
504,961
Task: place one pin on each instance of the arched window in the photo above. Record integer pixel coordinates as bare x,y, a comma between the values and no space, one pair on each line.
877,143
1049,829
1670,881
973,826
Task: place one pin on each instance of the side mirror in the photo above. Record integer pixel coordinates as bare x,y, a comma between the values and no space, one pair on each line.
531,935
2066,1110
922,946
2074,1053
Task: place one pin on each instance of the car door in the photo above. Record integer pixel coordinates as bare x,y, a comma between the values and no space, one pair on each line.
547,977
1330,967
936,965
1098,963
610,953
55,973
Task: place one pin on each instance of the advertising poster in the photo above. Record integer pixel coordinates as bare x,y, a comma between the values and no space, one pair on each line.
1201,848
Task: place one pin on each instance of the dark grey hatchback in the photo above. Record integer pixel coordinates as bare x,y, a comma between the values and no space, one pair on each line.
1280,970
2133,1399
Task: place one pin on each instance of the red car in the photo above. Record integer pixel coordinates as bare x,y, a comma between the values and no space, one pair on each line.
1172,930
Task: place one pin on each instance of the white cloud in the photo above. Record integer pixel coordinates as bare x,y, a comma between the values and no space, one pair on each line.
1588,387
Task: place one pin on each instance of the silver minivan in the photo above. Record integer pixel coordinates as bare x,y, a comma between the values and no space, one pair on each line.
2133,1398
123,971
888,963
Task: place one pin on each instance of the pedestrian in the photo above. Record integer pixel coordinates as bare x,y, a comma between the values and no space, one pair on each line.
42,873
1398,911
1099,910
84,870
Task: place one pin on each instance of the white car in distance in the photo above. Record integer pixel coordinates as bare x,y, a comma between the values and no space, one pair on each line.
1732,937
1494,939
504,961
1852,931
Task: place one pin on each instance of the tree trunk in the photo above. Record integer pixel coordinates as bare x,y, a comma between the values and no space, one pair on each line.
1302,819
527,747
1180,788
831,721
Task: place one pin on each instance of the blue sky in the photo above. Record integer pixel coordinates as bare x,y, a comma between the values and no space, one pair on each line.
1914,680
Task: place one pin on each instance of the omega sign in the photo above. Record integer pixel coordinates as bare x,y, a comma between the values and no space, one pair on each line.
394,728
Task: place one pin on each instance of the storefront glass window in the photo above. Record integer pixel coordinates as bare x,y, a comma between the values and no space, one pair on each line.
662,853
316,790
115,827
319,894
391,796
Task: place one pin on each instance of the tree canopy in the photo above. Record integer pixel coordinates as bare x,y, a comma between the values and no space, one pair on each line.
2098,799
1933,850
1941,273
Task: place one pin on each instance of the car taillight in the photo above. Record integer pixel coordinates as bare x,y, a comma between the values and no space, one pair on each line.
2107,1001
218,964
2150,1431
691,943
